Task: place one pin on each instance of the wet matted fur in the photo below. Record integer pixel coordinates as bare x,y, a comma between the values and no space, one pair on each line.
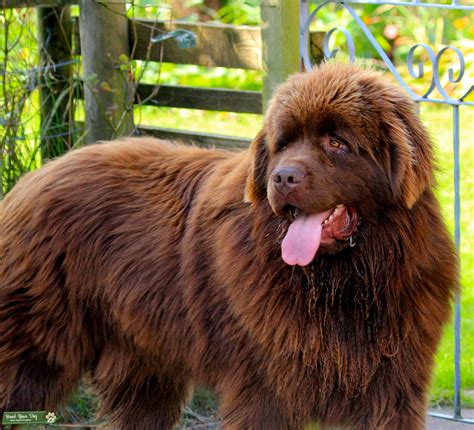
157,267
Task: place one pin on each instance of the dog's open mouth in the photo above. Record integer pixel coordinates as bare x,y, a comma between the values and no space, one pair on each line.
308,232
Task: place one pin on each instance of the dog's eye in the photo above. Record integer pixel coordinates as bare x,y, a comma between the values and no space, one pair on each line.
335,145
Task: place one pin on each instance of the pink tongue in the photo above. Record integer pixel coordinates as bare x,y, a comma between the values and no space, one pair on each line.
303,238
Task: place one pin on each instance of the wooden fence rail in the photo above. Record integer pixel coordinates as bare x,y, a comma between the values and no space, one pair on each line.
217,99
10,4
218,45
230,46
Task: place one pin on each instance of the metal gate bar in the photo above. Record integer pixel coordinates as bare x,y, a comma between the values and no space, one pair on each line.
415,72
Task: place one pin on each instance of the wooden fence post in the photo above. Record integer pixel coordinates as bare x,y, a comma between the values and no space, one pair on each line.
55,79
280,43
108,95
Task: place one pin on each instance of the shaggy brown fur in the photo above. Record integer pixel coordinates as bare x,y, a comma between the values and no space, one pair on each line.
142,262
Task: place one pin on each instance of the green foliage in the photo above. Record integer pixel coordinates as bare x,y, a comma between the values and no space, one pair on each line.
396,29
24,137
82,406
235,12
239,12
203,401
211,77
17,91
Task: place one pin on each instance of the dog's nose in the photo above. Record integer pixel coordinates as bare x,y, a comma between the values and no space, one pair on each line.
287,178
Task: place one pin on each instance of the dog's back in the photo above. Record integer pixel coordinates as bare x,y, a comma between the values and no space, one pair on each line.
90,250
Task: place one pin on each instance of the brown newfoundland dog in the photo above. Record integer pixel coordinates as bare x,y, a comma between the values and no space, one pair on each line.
305,280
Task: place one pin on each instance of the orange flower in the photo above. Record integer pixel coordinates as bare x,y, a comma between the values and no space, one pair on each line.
461,23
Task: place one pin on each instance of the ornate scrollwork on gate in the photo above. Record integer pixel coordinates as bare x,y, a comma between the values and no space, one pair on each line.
415,71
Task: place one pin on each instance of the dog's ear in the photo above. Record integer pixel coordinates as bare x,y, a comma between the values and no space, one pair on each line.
256,186
410,162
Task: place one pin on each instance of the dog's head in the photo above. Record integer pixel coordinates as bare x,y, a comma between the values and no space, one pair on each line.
338,143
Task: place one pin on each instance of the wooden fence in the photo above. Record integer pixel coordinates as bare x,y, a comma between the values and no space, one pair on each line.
102,35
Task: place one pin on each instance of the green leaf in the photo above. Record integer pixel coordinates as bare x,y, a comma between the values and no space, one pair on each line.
105,86
91,77
123,59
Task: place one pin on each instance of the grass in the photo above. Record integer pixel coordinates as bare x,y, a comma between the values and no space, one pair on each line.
439,123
